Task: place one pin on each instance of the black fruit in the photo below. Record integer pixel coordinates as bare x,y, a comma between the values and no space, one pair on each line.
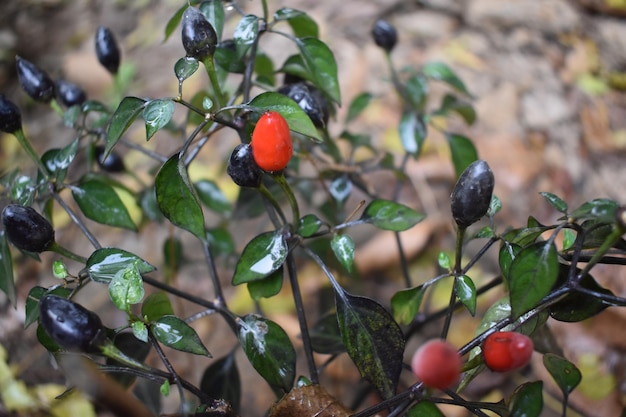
242,168
199,37
69,93
385,35
10,116
310,99
26,229
107,50
70,325
35,82
472,193
112,163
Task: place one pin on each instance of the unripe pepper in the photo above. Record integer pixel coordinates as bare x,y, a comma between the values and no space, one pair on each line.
242,168
112,163
69,93
70,325
385,35
26,229
199,37
507,351
10,115
35,82
310,99
472,194
107,50
271,142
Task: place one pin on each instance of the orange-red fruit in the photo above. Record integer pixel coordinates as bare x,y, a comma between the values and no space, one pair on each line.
271,142
507,351
437,364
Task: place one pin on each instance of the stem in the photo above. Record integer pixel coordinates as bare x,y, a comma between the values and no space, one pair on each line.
25,144
457,272
55,247
209,65
282,181
270,198
404,266
219,295
92,239
608,243
174,375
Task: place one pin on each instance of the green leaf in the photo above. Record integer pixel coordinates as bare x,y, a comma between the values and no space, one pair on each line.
442,72
320,62
58,160
7,284
124,115
309,225
343,248
406,303
176,197
140,331
220,241
173,257
340,189
185,68
261,257
564,373
132,347
358,104
266,287
555,202
301,23
373,340
444,260
126,287
389,215
175,333
213,11
527,400
425,409
245,33
99,202
532,274
466,291
451,103
174,21
412,130
155,306
417,91
269,350
157,114
296,118
221,380
601,209
164,389
326,336
462,150
211,196
105,263
569,237
578,306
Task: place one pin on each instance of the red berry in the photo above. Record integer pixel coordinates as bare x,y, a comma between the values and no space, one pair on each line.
437,364
271,142
506,351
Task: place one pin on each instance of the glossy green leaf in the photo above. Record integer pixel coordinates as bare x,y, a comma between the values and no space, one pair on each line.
132,347
309,225
175,333
7,284
22,189
220,241
213,11
221,380
32,301
124,116
343,248
340,189
451,103
211,196
444,261
140,331
177,199
261,257
149,206
494,206
326,336
185,68
228,60
294,65
174,21
417,91
484,233
532,274
71,115
296,118
57,161
555,202
264,69
373,340
157,113
601,209
358,104
301,23
320,62
286,13
425,409
266,287
466,291
245,33
126,287
99,202
412,130
406,303
564,373
155,306
442,72
463,152
569,237
527,400
269,350
578,306
389,215
105,263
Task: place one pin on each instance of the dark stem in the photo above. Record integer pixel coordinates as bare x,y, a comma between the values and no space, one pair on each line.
92,239
172,371
219,295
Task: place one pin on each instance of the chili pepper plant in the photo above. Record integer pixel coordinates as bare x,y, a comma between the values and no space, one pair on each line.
280,113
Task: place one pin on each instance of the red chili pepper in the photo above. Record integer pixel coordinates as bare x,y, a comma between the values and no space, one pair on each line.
437,364
271,142
507,351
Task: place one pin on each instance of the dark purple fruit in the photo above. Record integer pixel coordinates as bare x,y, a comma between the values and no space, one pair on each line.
472,193
112,163
107,50
70,94
10,116
385,35
26,229
242,168
70,325
310,99
35,82
199,37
